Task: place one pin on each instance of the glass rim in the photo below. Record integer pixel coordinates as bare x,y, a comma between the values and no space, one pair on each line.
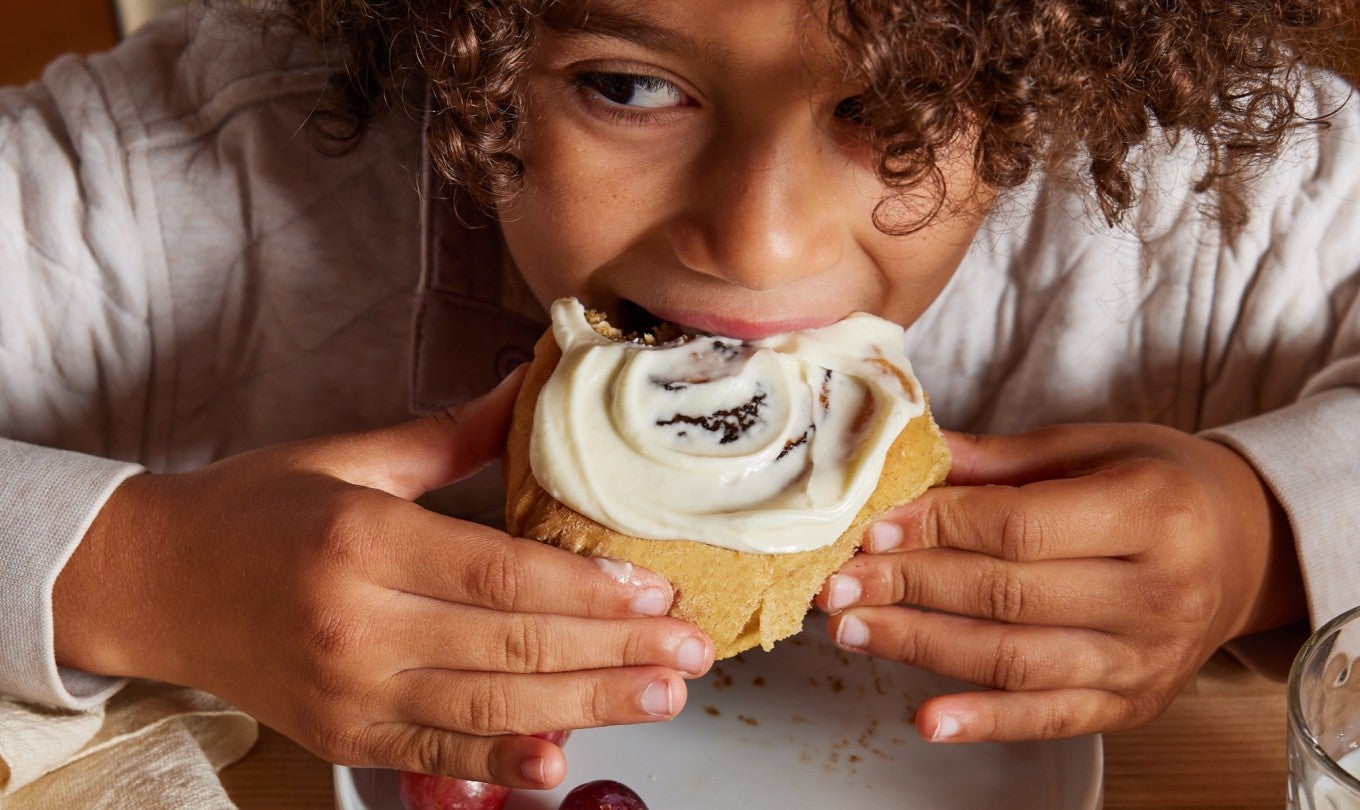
1296,719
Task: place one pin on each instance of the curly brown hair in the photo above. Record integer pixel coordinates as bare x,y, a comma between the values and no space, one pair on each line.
1035,83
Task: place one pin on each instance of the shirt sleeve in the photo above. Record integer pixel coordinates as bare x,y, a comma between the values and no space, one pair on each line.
74,356
1309,456
47,502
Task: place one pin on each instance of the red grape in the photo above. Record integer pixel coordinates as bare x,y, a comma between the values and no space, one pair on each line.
602,794
421,791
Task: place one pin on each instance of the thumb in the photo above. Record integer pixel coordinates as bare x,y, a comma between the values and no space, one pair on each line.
422,454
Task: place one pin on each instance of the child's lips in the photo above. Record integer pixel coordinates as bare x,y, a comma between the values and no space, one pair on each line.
740,328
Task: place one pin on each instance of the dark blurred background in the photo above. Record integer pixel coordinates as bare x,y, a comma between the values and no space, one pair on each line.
33,32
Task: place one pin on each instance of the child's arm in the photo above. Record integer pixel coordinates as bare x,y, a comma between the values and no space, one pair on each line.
1084,571
300,583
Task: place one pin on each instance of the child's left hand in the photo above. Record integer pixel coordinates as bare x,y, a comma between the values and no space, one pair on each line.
1082,572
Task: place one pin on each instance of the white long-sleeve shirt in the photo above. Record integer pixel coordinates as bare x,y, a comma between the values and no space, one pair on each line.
184,276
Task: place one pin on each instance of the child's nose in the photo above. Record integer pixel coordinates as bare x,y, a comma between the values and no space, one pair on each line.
762,214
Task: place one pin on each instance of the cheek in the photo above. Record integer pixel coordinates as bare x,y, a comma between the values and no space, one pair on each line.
581,208
915,283
916,268
551,251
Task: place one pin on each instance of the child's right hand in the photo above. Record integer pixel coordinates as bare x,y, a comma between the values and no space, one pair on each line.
301,583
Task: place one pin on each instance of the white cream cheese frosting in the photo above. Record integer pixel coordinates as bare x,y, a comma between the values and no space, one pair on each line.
765,446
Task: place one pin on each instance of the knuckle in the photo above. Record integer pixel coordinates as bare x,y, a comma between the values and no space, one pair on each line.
1173,502
498,578
1168,673
1003,594
1010,668
1142,473
330,634
430,751
911,648
346,534
932,524
639,644
899,584
1175,516
488,710
526,646
335,741
331,686
1149,664
1191,604
1141,709
1183,598
1132,676
1022,534
498,759
1058,720
596,703
1119,670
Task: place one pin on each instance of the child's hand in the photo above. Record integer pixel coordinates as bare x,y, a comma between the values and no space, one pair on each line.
300,583
1086,570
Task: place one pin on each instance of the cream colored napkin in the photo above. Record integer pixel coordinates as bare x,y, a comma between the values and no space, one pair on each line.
150,746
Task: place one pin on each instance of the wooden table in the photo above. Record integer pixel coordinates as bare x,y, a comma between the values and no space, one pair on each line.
1219,745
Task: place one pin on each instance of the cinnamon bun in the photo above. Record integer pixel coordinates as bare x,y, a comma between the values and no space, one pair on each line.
744,472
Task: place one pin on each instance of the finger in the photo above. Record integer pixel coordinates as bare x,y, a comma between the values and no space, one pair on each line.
1014,716
1046,520
991,654
455,561
1051,593
1053,452
417,456
490,703
515,761
464,638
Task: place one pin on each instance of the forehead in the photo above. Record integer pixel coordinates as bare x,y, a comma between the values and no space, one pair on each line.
721,31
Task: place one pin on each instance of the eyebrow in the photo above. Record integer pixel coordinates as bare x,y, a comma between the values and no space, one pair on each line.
597,19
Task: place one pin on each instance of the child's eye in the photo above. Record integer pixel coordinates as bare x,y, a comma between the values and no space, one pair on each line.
632,90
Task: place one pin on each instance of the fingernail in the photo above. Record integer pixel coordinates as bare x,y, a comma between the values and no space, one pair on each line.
533,769
884,536
945,728
652,602
656,699
851,632
841,592
691,656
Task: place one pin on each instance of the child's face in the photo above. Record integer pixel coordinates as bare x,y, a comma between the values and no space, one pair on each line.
688,156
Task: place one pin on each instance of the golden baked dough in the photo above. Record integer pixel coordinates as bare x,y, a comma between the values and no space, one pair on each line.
740,599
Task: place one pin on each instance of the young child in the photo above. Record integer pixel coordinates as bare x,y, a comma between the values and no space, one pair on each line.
238,260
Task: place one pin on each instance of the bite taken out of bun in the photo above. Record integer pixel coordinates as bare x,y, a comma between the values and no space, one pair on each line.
741,593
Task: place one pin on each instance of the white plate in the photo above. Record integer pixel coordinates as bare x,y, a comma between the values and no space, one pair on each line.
804,726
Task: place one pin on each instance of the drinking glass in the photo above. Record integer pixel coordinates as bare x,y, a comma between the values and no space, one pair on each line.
1324,718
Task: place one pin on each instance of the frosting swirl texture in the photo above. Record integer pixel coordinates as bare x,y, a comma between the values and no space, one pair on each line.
764,446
